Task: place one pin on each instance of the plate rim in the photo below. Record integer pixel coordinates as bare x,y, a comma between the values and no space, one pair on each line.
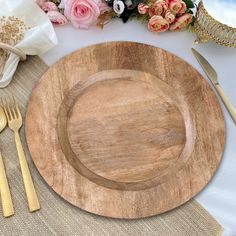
122,42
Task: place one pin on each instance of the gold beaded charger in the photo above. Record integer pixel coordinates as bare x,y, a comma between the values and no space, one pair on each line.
209,27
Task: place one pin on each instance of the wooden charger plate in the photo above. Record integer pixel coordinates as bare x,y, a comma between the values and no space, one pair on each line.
125,130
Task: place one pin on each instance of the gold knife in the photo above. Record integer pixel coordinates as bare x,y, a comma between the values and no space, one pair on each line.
212,75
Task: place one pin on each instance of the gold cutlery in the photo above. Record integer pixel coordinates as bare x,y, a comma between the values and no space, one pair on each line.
212,75
7,204
14,119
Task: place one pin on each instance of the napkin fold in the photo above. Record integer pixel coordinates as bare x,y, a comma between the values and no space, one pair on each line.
38,39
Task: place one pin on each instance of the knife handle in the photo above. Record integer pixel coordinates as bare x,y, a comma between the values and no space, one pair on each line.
7,205
226,101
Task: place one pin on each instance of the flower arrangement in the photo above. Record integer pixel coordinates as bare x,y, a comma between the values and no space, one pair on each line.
160,15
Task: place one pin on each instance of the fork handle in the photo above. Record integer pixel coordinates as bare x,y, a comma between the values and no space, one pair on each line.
7,205
32,198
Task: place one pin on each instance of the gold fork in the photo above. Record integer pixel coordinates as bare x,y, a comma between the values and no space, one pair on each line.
14,119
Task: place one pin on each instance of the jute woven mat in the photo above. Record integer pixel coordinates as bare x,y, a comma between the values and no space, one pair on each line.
58,217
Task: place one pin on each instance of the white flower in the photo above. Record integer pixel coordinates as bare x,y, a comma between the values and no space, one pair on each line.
118,7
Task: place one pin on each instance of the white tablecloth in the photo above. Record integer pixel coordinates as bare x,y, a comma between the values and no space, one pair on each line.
219,197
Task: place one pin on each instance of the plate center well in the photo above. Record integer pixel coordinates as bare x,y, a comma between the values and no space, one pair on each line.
126,129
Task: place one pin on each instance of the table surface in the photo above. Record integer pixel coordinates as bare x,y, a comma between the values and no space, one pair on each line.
219,197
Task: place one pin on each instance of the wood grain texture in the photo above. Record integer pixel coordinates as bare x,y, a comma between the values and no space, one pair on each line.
125,130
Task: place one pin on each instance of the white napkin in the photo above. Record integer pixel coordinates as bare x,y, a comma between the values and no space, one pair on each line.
38,39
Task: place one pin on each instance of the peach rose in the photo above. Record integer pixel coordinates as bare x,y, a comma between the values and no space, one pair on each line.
169,17
183,9
182,22
143,8
158,24
158,8
176,6
82,13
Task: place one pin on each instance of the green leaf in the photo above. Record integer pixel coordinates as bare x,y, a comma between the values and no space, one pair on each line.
139,17
190,11
192,29
193,20
189,3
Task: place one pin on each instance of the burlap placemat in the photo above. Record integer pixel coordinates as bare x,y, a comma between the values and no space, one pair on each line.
58,217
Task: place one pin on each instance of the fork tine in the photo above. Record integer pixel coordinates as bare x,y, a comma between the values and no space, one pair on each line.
7,110
13,107
3,105
17,109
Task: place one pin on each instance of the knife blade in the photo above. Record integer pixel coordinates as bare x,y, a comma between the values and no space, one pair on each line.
212,75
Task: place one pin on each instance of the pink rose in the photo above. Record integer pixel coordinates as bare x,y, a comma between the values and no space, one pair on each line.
176,6
57,18
158,8
158,24
143,8
82,13
169,17
49,6
182,22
